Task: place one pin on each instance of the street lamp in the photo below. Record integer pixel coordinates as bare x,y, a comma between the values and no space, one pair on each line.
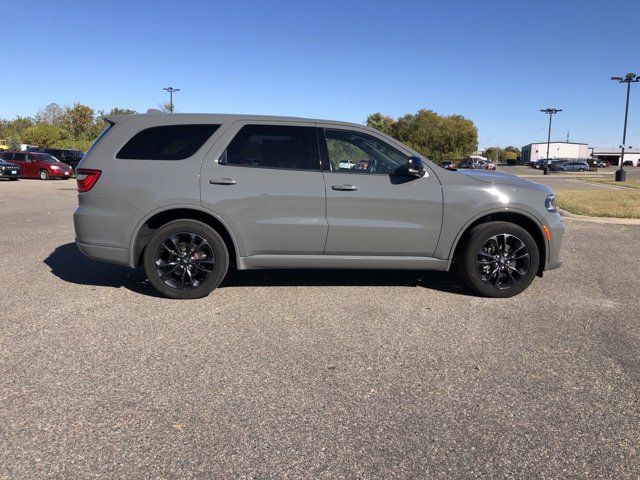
629,78
171,90
551,112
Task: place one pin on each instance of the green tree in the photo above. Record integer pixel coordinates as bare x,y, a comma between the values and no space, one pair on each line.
43,135
435,136
381,122
79,120
52,114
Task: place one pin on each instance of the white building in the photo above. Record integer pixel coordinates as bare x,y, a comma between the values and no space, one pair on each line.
565,150
613,156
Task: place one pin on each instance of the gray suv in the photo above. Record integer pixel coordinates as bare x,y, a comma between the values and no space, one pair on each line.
186,195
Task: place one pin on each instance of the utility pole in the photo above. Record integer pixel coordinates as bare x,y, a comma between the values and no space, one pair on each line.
171,91
629,78
550,112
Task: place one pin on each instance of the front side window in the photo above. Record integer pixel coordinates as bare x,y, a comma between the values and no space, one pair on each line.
273,146
20,157
168,142
355,152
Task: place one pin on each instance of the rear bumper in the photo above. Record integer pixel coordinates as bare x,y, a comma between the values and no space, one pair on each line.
118,256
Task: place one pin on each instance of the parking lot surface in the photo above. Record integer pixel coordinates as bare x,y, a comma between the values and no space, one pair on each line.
316,374
571,180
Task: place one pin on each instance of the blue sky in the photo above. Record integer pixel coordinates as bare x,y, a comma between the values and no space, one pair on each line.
495,62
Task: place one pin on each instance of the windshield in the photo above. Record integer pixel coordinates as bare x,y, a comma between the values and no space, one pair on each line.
47,158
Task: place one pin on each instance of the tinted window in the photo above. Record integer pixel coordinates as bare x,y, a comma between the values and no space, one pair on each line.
273,146
170,142
355,152
19,157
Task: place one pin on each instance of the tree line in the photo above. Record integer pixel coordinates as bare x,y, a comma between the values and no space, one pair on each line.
58,126
437,137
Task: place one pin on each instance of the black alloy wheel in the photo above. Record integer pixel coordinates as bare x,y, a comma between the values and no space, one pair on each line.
503,261
498,259
185,259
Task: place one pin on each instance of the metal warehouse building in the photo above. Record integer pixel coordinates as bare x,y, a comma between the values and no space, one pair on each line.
566,150
613,156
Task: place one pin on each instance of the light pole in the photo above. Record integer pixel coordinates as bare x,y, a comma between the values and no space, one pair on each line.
171,90
550,112
629,78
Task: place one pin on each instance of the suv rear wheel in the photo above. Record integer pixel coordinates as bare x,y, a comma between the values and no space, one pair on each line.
185,259
499,259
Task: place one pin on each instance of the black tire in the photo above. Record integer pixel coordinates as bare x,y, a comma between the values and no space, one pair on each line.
44,175
13,179
184,276
581,170
517,274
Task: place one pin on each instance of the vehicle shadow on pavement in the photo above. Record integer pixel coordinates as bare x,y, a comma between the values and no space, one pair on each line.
441,281
69,264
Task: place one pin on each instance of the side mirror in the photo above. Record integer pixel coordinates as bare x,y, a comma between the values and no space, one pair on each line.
415,167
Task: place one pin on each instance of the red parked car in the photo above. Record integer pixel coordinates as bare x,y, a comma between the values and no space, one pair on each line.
38,165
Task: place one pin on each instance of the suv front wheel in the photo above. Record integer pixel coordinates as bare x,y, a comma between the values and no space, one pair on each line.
499,259
185,259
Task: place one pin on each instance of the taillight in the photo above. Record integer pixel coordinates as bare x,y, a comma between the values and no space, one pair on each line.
87,178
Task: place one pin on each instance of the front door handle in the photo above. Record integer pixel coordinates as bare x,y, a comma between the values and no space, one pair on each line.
345,187
222,181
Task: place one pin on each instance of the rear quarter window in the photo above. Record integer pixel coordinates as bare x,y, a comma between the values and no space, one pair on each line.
167,142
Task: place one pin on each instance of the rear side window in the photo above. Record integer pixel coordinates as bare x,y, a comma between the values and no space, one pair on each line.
274,146
168,142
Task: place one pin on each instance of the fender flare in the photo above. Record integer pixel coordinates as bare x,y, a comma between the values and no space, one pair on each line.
484,213
179,206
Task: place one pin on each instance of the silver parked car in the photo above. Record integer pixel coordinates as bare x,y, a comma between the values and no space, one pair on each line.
185,195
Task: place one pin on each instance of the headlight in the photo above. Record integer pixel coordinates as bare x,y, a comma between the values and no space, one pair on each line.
550,203
55,167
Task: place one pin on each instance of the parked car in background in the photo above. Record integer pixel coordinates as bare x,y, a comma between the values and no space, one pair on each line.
346,164
70,157
185,194
9,170
601,164
539,164
448,165
628,163
575,167
484,165
557,165
465,163
38,165
25,147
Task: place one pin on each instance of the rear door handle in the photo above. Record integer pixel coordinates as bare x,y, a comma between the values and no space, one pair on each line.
222,181
345,187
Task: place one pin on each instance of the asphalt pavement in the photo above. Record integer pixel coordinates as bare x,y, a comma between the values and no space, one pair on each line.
311,374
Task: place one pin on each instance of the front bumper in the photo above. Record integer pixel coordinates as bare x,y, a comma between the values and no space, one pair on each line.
60,174
9,174
556,227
